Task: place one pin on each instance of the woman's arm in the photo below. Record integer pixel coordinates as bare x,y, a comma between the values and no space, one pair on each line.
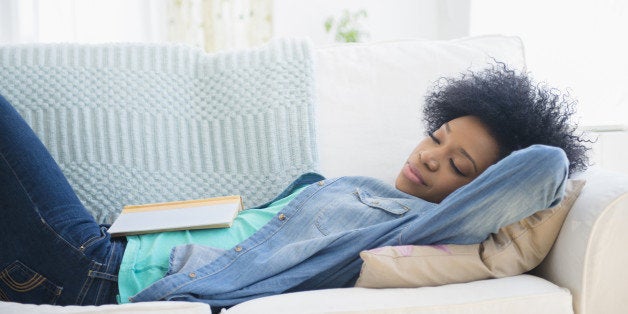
524,182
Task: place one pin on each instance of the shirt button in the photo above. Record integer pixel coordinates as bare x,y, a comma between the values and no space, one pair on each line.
320,183
238,248
282,217
192,275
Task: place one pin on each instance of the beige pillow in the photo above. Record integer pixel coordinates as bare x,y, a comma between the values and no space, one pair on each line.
515,249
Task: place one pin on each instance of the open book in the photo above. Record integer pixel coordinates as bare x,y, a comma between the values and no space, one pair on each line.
217,212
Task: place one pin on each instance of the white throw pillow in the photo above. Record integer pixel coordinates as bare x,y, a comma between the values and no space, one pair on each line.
370,96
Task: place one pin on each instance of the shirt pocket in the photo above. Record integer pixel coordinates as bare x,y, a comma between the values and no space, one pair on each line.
18,283
358,210
391,205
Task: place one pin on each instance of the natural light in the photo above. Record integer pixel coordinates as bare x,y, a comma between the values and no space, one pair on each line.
575,45
313,156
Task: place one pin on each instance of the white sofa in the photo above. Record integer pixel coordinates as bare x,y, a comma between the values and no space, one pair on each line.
368,100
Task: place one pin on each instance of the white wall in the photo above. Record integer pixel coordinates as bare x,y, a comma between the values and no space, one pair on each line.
610,151
387,19
578,45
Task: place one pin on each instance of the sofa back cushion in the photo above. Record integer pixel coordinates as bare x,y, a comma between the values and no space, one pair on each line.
370,96
134,124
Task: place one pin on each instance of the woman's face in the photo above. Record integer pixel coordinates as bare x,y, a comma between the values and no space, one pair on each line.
452,156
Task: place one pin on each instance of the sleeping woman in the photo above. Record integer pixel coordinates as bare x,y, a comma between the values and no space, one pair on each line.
498,148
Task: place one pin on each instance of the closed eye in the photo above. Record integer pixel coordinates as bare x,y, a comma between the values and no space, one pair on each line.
456,170
431,134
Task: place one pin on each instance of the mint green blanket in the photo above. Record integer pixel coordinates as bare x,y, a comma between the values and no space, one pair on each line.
134,124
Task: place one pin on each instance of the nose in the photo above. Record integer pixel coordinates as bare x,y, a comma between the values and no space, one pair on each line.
430,159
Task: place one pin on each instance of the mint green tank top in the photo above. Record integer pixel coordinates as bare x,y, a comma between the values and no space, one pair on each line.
146,256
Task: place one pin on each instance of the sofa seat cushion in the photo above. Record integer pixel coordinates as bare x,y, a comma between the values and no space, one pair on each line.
518,294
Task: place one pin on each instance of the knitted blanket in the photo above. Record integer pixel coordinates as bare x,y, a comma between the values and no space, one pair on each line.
134,124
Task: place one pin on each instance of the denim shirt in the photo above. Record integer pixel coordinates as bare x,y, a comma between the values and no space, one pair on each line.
314,242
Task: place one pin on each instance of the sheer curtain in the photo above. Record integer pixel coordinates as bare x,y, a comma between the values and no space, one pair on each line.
220,24
86,21
210,24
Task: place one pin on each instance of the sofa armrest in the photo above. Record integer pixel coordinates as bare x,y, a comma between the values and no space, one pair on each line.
589,256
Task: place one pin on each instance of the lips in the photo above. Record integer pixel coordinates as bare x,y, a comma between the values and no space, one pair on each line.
413,174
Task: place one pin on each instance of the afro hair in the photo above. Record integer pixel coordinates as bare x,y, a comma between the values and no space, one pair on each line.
518,112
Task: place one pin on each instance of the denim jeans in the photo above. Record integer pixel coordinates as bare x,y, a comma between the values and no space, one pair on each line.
51,249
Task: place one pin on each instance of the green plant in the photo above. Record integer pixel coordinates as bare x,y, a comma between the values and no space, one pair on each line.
348,27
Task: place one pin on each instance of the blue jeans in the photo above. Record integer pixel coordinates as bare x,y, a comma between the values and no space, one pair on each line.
51,249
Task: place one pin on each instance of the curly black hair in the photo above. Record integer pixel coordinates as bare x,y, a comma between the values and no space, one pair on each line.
517,111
